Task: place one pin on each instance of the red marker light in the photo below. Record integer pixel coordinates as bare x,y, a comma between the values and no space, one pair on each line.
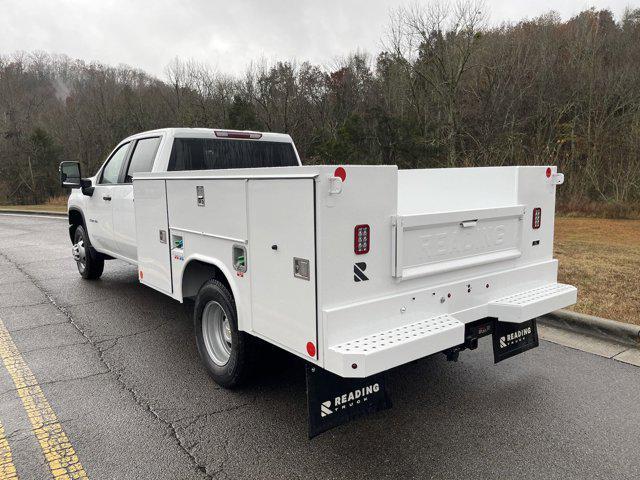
311,349
340,172
548,172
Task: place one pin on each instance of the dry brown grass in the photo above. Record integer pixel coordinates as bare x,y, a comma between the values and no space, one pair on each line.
40,208
585,208
602,258
54,204
59,200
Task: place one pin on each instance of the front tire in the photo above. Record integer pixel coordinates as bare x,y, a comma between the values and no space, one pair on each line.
224,350
90,263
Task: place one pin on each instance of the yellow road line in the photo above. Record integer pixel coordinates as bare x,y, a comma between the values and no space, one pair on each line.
55,444
7,468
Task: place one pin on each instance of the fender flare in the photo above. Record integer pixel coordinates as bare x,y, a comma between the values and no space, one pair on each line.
84,223
220,266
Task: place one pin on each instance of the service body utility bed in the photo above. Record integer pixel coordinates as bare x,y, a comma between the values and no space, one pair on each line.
361,269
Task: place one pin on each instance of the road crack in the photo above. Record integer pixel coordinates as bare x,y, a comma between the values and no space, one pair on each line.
118,375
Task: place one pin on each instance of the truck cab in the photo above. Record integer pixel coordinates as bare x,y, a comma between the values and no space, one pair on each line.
105,206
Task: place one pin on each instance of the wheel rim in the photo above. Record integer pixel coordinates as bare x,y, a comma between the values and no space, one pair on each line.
80,255
216,331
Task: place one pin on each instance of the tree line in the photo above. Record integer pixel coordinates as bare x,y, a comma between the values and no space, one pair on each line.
447,90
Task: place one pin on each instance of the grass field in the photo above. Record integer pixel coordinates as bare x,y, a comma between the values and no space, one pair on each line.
36,208
602,258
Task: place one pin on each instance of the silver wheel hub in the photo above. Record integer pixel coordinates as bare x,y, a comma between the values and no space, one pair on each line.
79,254
216,332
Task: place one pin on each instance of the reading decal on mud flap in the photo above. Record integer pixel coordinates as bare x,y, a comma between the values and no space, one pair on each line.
333,400
510,339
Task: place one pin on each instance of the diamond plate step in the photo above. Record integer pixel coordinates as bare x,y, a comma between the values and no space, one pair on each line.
522,306
390,348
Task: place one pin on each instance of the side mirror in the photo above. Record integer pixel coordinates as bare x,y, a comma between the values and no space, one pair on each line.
70,175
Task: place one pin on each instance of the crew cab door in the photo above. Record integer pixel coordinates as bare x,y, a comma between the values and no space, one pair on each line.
143,154
99,214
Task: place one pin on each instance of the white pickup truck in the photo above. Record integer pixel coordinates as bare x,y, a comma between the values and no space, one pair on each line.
355,269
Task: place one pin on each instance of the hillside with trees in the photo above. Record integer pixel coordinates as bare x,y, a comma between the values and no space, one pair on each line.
446,91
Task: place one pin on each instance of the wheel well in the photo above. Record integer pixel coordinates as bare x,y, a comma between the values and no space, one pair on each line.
196,273
75,220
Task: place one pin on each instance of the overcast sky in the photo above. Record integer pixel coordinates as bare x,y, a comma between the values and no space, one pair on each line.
226,34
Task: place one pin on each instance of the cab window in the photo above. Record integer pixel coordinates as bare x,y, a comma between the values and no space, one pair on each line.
144,153
212,154
111,171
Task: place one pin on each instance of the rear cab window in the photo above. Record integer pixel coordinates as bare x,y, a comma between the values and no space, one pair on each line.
215,154
143,156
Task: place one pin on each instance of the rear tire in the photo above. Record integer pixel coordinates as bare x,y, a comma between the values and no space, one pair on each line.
225,351
90,263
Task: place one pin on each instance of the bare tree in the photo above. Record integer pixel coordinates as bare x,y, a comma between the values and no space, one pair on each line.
437,42
447,91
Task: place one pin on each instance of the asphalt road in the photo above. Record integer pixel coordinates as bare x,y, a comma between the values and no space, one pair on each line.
117,363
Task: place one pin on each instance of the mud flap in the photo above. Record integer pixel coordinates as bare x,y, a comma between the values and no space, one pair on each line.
333,400
510,339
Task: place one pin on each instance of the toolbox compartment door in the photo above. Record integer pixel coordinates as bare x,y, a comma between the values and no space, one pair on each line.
152,232
281,236
434,243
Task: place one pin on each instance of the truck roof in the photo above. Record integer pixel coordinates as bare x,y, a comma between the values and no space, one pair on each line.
211,132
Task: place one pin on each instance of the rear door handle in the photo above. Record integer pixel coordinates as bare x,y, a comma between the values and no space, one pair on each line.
106,198
469,223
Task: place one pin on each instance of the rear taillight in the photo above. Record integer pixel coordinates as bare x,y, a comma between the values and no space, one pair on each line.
247,135
361,240
537,217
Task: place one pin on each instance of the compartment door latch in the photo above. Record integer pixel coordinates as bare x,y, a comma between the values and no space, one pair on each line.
200,195
301,268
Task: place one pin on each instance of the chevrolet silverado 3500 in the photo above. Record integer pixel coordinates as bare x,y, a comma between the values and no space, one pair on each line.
355,269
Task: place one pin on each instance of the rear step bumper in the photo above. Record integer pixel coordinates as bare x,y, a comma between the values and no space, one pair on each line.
387,349
523,306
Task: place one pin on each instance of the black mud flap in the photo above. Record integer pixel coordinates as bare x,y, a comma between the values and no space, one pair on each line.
510,339
333,400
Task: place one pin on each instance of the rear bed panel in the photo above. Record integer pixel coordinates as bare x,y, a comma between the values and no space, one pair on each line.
500,199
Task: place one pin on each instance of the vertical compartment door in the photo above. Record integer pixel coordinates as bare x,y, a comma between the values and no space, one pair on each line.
152,234
281,261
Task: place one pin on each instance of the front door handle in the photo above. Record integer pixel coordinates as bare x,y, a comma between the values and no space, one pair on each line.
106,198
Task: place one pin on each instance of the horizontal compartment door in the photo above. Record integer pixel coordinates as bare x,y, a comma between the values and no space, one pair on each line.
435,243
